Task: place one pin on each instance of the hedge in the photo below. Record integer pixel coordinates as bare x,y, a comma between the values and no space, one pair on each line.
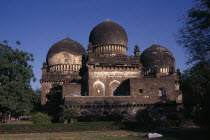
90,126
48,128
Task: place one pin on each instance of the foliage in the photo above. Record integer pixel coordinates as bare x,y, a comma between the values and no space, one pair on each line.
115,116
196,87
195,33
55,94
143,116
68,113
56,127
37,100
16,94
54,102
91,126
41,118
195,82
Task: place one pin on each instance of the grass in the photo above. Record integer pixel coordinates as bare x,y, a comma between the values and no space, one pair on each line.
97,130
168,134
101,135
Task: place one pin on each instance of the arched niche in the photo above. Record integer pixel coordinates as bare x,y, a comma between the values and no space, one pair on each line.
114,88
98,88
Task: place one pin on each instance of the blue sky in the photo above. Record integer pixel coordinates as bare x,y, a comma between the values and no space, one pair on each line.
38,24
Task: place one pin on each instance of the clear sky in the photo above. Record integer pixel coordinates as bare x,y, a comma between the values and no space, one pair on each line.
38,24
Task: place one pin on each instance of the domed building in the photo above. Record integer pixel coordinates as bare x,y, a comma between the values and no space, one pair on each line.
159,57
106,78
109,38
63,62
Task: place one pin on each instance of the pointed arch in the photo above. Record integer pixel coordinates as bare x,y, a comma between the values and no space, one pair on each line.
113,82
114,87
98,88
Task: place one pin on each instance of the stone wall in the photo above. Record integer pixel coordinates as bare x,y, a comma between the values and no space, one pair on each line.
124,104
105,81
151,88
71,89
44,91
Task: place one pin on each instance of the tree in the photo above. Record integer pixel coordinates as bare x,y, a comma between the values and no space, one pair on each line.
54,102
55,95
16,94
68,113
37,100
194,35
196,87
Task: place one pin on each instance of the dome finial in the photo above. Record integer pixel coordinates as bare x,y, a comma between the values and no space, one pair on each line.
155,42
67,37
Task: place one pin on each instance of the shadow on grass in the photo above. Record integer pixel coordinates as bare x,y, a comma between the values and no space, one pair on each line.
168,133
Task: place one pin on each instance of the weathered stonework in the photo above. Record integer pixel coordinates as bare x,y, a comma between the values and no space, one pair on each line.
106,78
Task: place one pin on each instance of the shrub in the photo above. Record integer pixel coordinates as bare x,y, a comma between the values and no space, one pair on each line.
143,116
116,117
56,127
41,118
68,113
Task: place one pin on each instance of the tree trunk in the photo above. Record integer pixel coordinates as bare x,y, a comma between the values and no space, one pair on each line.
71,120
2,117
65,122
9,118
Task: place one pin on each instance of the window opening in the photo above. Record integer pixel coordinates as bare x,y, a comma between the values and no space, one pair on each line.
160,92
140,91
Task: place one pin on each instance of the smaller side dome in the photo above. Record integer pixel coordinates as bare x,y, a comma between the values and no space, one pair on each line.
68,46
157,56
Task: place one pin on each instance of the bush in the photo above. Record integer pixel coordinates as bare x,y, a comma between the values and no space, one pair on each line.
117,117
68,113
41,118
58,127
143,116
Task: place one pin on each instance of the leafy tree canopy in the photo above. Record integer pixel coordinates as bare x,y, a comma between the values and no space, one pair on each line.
195,33
196,87
16,94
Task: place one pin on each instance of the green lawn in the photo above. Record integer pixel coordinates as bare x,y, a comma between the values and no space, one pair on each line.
95,135
170,134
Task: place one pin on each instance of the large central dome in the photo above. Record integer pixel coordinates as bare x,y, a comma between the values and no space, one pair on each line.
108,32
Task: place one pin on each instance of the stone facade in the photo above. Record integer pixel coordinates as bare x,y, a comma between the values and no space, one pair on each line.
108,78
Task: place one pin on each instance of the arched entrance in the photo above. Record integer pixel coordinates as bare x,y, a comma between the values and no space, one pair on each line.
114,88
98,88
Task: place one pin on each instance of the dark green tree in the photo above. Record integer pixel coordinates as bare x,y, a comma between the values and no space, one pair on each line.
195,32
16,94
196,88
52,106
37,100
194,35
